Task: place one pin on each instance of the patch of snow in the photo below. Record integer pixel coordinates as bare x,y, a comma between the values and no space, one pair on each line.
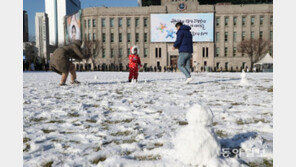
107,121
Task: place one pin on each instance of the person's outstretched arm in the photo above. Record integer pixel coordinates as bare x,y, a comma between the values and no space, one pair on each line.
178,42
78,52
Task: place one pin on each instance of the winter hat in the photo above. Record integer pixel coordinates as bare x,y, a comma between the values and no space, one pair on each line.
133,48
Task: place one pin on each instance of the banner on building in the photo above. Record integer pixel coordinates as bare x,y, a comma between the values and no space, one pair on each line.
163,26
73,27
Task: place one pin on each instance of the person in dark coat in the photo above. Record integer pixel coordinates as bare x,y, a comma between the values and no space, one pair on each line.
184,44
60,61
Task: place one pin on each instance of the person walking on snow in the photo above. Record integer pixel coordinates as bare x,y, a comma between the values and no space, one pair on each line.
185,46
134,63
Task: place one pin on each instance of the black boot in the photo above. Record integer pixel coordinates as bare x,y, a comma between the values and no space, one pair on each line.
63,84
129,80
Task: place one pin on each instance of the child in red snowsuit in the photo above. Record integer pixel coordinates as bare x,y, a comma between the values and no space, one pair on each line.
134,62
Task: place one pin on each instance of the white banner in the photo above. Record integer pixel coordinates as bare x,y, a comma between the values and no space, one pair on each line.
163,26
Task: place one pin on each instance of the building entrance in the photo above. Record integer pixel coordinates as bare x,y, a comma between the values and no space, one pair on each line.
174,61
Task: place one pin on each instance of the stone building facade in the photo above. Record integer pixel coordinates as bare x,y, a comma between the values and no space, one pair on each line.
119,28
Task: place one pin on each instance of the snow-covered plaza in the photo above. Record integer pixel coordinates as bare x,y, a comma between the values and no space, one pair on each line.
107,121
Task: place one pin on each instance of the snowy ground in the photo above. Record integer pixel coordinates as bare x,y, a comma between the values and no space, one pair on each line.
106,121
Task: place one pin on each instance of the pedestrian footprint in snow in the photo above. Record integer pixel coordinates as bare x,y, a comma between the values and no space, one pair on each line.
134,64
60,61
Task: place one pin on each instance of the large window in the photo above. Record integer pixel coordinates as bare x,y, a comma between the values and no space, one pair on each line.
226,21
252,34
253,20
94,36
120,22
145,37
156,52
217,36
205,52
89,36
243,35
218,21
104,37
234,51
89,23
103,52
85,23
128,51
226,36
234,20
261,20
137,37
120,37
145,52
120,52
112,37
234,36
225,51
112,53
94,23
271,35
112,22
145,22
271,20
261,34
103,22
244,20
128,22
217,51
128,37
137,22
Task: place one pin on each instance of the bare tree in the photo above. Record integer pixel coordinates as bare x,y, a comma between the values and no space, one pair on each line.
254,48
92,48
29,50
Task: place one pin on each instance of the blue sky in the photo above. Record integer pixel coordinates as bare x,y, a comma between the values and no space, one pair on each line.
33,6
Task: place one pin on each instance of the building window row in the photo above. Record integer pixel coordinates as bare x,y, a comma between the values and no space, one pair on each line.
137,35
252,35
120,52
244,20
120,22
217,54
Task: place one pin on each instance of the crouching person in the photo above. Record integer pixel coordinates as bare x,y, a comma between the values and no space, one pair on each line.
60,61
134,63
